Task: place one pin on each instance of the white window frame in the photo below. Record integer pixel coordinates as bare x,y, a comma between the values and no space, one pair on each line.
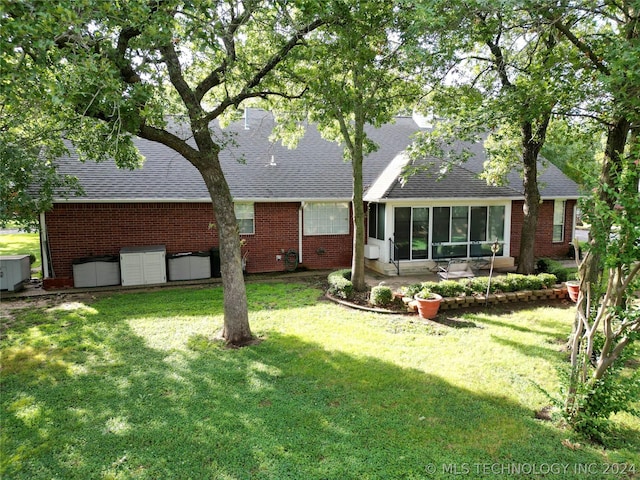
326,218
245,212
559,213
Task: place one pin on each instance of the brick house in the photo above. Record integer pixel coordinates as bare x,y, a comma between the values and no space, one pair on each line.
293,204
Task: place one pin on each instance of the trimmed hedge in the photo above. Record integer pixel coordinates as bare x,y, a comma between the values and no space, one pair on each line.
340,283
510,283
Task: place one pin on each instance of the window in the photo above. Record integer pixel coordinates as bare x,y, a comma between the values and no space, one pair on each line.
326,219
376,220
466,231
558,221
420,233
245,218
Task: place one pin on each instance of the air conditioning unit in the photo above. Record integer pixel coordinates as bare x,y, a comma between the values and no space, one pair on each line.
15,270
372,252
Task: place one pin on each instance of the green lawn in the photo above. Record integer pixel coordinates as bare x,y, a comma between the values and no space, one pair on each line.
128,386
21,244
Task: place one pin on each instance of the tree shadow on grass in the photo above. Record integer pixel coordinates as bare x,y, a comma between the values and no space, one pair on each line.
107,405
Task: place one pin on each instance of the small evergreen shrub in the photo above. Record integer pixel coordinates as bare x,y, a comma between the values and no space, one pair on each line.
381,296
563,274
448,288
340,283
479,285
548,279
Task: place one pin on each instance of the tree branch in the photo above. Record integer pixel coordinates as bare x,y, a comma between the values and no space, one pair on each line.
271,64
579,44
177,79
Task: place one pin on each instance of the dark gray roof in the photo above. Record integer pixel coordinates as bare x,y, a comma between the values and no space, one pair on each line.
315,170
462,180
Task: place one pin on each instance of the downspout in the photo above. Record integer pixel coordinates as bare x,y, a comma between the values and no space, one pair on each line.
302,204
44,247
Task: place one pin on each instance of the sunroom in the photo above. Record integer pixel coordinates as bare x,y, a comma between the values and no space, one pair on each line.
417,236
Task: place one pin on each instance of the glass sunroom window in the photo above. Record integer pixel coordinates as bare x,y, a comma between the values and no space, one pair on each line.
464,231
376,220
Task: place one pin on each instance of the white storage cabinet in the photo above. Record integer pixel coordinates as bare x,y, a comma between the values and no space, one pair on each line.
15,270
189,266
96,271
143,265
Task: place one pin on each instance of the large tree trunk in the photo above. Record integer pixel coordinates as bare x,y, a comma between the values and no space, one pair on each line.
531,145
236,330
357,262
357,159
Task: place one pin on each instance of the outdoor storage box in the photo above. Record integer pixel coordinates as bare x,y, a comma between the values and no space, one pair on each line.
15,270
189,266
143,265
215,262
96,271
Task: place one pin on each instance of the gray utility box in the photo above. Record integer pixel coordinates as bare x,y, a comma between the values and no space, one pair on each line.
15,270
189,266
96,271
143,265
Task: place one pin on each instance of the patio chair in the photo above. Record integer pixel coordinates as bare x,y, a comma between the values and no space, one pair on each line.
456,269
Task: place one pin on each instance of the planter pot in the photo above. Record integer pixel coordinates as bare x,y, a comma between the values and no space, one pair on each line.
428,307
573,289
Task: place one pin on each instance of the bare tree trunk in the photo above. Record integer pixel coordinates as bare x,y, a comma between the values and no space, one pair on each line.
236,330
531,144
357,260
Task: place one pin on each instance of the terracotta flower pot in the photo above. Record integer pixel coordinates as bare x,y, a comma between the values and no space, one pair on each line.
573,289
428,307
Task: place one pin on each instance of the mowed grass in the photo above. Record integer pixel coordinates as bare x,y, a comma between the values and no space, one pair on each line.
131,386
21,244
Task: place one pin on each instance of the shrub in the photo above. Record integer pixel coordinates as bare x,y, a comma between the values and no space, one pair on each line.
448,288
512,282
479,284
431,286
381,296
548,265
340,283
525,282
547,279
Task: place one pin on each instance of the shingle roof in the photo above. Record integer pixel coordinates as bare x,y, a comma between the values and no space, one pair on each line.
315,170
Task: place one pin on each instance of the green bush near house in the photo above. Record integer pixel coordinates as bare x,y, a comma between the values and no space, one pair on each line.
478,285
381,296
340,283
562,273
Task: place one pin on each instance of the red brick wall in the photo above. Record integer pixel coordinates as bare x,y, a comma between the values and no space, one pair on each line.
276,230
82,230
544,246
